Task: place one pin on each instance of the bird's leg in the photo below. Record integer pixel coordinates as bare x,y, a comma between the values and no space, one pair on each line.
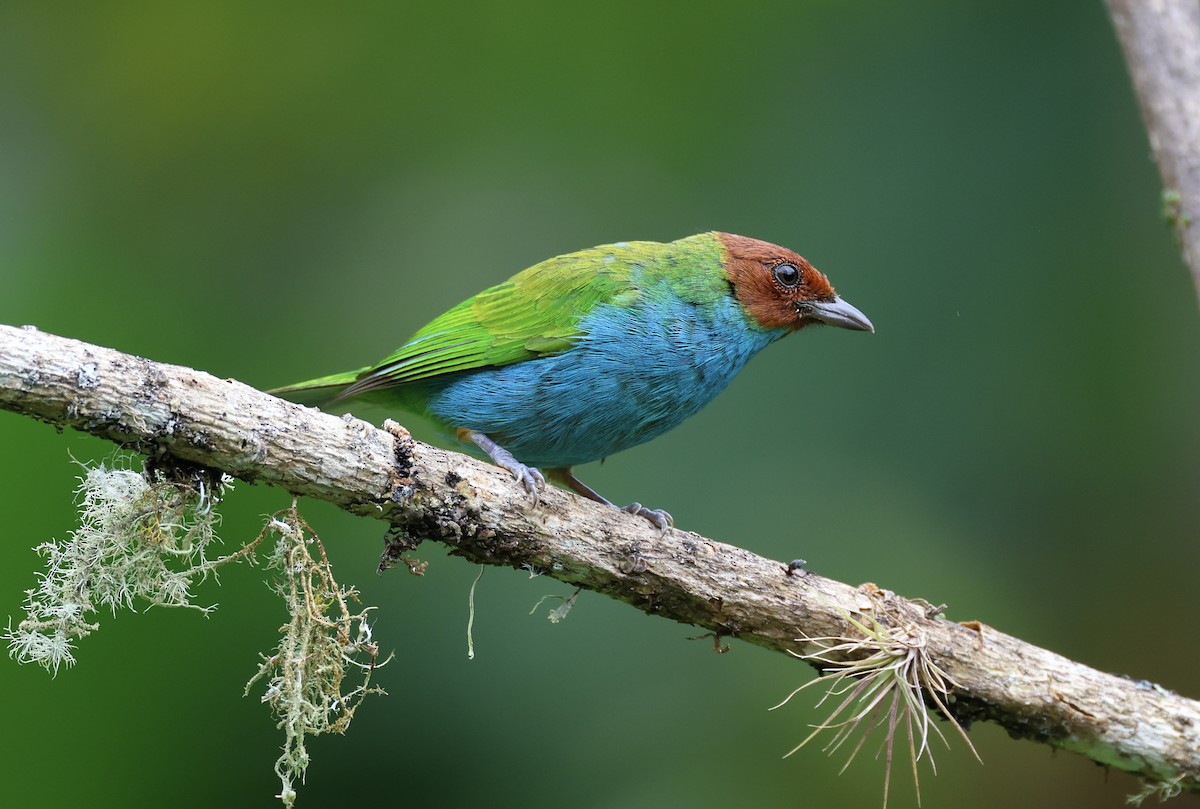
660,518
529,477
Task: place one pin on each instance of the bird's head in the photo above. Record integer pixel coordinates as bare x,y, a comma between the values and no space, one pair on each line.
780,289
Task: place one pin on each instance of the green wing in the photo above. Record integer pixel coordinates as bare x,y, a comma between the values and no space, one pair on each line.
535,313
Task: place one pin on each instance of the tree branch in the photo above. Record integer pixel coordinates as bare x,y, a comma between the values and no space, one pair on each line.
477,510
1161,43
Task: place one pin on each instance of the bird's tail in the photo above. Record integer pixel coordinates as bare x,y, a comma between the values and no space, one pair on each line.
318,392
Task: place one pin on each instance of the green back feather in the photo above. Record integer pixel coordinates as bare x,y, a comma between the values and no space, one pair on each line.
536,313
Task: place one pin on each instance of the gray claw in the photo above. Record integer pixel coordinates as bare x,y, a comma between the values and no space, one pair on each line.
530,478
659,518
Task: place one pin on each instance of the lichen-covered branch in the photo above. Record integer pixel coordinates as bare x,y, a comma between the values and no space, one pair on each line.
429,493
1161,43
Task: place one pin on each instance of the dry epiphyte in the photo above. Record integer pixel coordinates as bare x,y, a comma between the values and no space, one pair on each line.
142,538
321,641
885,677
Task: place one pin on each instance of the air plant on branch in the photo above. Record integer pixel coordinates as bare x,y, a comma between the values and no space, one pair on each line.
884,678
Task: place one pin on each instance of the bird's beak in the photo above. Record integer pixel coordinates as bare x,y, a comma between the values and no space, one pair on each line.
837,313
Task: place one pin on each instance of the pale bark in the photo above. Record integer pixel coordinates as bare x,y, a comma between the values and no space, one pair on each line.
1161,43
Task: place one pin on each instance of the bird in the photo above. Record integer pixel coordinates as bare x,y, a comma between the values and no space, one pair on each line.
589,353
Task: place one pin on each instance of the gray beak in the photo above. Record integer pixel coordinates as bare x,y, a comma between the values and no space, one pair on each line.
836,313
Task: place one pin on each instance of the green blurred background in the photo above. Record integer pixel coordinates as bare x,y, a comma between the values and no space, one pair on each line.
271,191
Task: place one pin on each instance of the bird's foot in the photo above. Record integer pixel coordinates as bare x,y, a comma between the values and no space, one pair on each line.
529,477
660,518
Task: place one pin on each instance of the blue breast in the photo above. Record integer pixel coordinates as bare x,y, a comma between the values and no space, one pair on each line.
638,372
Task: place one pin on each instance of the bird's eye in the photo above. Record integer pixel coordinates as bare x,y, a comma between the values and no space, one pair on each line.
787,274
